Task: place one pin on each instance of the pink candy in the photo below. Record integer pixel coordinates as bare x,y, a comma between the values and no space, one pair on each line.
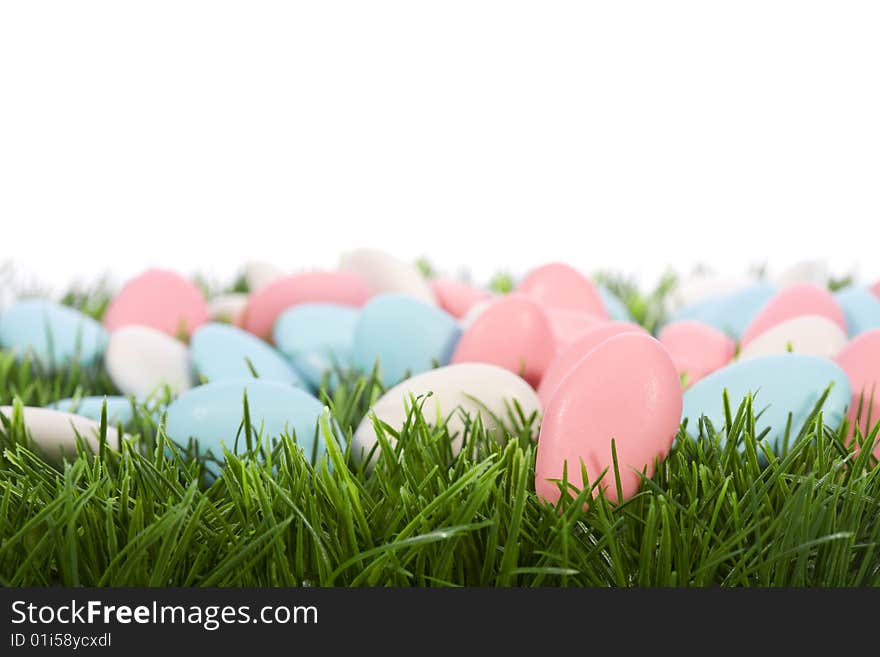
569,356
514,333
696,349
569,325
626,390
456,298
161,299
860,359
795,301
560,286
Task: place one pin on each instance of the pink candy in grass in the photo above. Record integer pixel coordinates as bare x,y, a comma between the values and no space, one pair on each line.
696,348
560,286
161,299
455,297
860,359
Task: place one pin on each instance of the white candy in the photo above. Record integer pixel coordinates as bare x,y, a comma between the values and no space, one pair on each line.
227,307
805,271
139,359
385,273
258,274
476,388
55,431
810,335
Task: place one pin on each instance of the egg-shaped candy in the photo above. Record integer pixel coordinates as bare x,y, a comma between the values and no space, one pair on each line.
569,356
119,409
860,359
55,432
161,299
470,388
219,352
228,308
696,349
317,338
513,332
809,334
455,297
569,325
627,391
384,273
861,309
213,414
53,334
259,273
404,336
560,286
140,360
732,312
781,385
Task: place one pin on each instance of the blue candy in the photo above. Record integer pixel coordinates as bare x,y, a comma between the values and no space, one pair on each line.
221,352
52,333
403,335
213,414
316,337
730,313
118,408
781,384
860,308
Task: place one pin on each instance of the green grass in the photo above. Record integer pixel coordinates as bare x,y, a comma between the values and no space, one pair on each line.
715,513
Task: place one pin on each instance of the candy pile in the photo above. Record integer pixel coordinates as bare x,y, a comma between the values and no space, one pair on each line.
559,345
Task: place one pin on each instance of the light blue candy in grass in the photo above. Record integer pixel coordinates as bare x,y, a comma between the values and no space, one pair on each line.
52,333
221,352
212,414
317,337
780,384
617,310
118,408
730,313
404,335
861,309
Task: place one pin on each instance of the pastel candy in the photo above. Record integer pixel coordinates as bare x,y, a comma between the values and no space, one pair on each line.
615,308
805,271
860,359
875,289
213,414
385,273
795,301
317,338
570,355
475,311
55,432
52,333
782,384
696,349
228,308
730,313
258,274
456,298
119,409
861,309
161,299
560,286
220,352
625,390
141,359
810,334
404,335
474,388
513,332
267,304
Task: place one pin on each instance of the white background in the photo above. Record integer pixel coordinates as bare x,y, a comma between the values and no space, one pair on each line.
489,135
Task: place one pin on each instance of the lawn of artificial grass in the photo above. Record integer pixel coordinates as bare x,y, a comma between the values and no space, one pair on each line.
151,515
